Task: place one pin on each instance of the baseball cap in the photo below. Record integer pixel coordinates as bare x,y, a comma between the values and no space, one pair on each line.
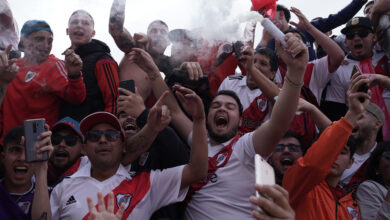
100,117
357,22
35,25
68,122
376,112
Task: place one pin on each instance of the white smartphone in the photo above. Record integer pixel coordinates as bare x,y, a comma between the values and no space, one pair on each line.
264,173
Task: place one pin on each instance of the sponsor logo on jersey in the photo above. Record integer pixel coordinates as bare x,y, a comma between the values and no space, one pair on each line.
29,76
143,158
221,158
353,213
123,198
25,206
71,200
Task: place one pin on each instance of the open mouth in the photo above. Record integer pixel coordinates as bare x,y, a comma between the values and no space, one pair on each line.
221,120
78,33
130,126
21,170
286,161
61,154
358,46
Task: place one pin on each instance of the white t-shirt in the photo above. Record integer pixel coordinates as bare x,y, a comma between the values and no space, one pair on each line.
226,196
69,198
358,160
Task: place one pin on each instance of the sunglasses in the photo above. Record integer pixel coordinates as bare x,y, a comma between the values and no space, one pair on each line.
95,135
70,140
290,147
362,33
386,155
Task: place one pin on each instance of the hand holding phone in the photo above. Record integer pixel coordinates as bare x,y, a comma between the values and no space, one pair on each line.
264,173
32,129
128,85
362,88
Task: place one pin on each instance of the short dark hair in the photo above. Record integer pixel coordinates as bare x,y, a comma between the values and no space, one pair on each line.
294,30
15,134
82,11
374,161
351,143
295,135
272,56
157,22
233,95
286,12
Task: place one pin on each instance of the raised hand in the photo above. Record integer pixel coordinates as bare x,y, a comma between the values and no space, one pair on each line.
130,103
8,68
190,101
144,61
246,59
303,23
194,70
73,62
104,213
159,116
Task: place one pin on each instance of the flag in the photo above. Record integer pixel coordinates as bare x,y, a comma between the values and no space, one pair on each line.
269,6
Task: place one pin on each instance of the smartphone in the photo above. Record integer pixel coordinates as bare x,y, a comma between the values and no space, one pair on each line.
237,47
32,129
264,174
362,88
128,85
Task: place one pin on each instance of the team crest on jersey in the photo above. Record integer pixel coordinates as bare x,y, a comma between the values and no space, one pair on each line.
353,213
123,198
261,104
25,206
29,76
143,158
221,158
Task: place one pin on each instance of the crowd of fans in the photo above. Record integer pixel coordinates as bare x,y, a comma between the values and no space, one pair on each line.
183,146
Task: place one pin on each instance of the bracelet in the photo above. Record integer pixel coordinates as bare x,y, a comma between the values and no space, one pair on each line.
76,76
293,84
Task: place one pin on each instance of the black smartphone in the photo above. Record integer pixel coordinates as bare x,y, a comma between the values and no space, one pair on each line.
237,47
128,85
362,88
32,129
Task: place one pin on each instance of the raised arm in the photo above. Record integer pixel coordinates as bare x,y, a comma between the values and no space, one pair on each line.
196,169
121,36
268,135
319,118
335,53
180,121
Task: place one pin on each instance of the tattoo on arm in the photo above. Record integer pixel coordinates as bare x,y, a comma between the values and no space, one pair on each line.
138,142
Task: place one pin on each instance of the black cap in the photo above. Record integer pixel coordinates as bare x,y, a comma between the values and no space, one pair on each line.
358,22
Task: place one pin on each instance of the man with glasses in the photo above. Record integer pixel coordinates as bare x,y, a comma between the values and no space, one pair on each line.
67,140
286,153
360,39
143,193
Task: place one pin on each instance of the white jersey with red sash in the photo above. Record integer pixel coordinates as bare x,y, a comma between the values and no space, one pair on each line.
340,81
256,108
224,195
142,195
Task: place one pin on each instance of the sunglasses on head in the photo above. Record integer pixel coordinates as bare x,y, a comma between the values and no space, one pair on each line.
290,147
362,33
70,140
95,135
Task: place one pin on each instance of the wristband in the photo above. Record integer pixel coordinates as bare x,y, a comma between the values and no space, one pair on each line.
76,76
291,83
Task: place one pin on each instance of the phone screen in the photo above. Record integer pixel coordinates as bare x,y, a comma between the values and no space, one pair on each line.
128,85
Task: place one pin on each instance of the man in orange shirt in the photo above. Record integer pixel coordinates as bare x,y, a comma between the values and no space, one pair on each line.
319,196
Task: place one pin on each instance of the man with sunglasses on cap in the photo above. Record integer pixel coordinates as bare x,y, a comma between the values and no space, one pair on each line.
141,194
42,80
360,39
66,159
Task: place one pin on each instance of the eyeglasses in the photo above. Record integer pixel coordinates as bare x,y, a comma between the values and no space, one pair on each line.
95,135
290,147
362,33
70,140
386,155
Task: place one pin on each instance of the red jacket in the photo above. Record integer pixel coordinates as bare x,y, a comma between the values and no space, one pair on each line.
36,92
310,195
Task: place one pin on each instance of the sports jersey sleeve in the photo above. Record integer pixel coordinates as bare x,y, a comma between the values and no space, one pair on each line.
245,150
224,85
317,76
317,161
71,90
371,203
165,187
107,76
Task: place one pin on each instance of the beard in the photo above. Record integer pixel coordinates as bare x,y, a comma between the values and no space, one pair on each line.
223,137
